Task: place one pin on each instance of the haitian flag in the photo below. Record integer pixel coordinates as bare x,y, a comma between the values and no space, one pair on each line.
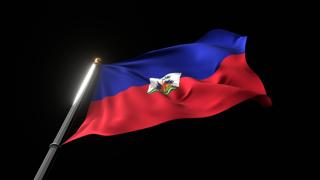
193,80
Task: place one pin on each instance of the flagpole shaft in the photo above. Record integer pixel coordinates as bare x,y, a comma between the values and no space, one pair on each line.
53,147
45,164
56,143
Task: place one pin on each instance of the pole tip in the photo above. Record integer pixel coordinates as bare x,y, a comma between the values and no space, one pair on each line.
97,60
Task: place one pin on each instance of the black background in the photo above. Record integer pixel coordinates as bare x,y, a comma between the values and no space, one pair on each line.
58,44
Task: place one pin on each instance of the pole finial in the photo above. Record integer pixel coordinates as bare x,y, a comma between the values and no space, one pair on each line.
97,60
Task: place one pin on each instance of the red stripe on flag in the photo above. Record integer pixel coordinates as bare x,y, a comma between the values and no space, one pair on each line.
134,109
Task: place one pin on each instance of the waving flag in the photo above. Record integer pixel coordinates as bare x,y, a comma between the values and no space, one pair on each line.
193,80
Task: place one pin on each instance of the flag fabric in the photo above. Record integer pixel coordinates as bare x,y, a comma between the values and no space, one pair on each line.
193,80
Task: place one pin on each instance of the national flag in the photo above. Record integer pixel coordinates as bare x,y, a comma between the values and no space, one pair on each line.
193,80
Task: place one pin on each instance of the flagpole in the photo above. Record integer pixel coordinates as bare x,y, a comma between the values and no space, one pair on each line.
53,147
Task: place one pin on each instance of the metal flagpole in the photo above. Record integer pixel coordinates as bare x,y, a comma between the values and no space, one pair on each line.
57,141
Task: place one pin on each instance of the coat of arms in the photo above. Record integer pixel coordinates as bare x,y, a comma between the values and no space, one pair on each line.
164,85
